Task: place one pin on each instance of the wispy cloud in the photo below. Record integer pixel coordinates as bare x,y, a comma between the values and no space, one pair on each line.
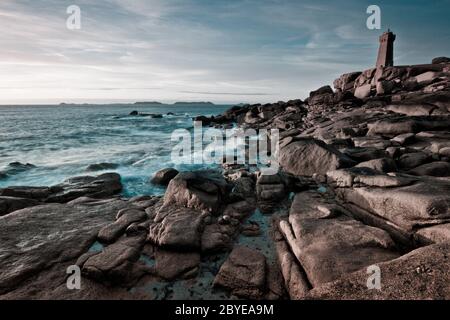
236,51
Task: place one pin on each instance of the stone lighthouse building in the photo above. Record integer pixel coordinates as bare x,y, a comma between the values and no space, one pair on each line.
386,50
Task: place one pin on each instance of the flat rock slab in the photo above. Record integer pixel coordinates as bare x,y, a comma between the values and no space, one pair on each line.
36,238
423,203
327,248
422,274
244,273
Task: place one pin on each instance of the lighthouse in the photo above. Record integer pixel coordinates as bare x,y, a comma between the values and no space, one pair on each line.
386,50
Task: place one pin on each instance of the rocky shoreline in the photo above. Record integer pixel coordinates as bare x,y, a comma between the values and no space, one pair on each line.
364,180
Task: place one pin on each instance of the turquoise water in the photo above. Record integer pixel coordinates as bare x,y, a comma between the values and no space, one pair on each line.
61,141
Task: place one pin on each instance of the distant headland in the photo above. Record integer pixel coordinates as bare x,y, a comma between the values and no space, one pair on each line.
207,103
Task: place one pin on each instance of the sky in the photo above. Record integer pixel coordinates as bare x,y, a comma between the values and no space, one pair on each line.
224,51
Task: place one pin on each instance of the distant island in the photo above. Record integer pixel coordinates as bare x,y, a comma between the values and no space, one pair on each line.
207,103
196,103
148,102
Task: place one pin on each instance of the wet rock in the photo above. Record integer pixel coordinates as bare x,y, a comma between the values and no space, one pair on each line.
134,113
34,239
17,167
35,193
104,185
308,156
164,176
171,265
102,166
243,273
11,204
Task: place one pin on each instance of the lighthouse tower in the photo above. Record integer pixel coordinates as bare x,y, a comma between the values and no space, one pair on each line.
386,50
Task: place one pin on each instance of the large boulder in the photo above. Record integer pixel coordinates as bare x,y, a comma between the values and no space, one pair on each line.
202,190
304,157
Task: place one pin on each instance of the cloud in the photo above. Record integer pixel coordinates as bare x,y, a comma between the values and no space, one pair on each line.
251,50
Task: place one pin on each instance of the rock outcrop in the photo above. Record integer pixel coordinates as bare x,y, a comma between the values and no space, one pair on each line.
364,182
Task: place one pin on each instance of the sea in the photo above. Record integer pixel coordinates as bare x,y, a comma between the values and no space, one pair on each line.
61,141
